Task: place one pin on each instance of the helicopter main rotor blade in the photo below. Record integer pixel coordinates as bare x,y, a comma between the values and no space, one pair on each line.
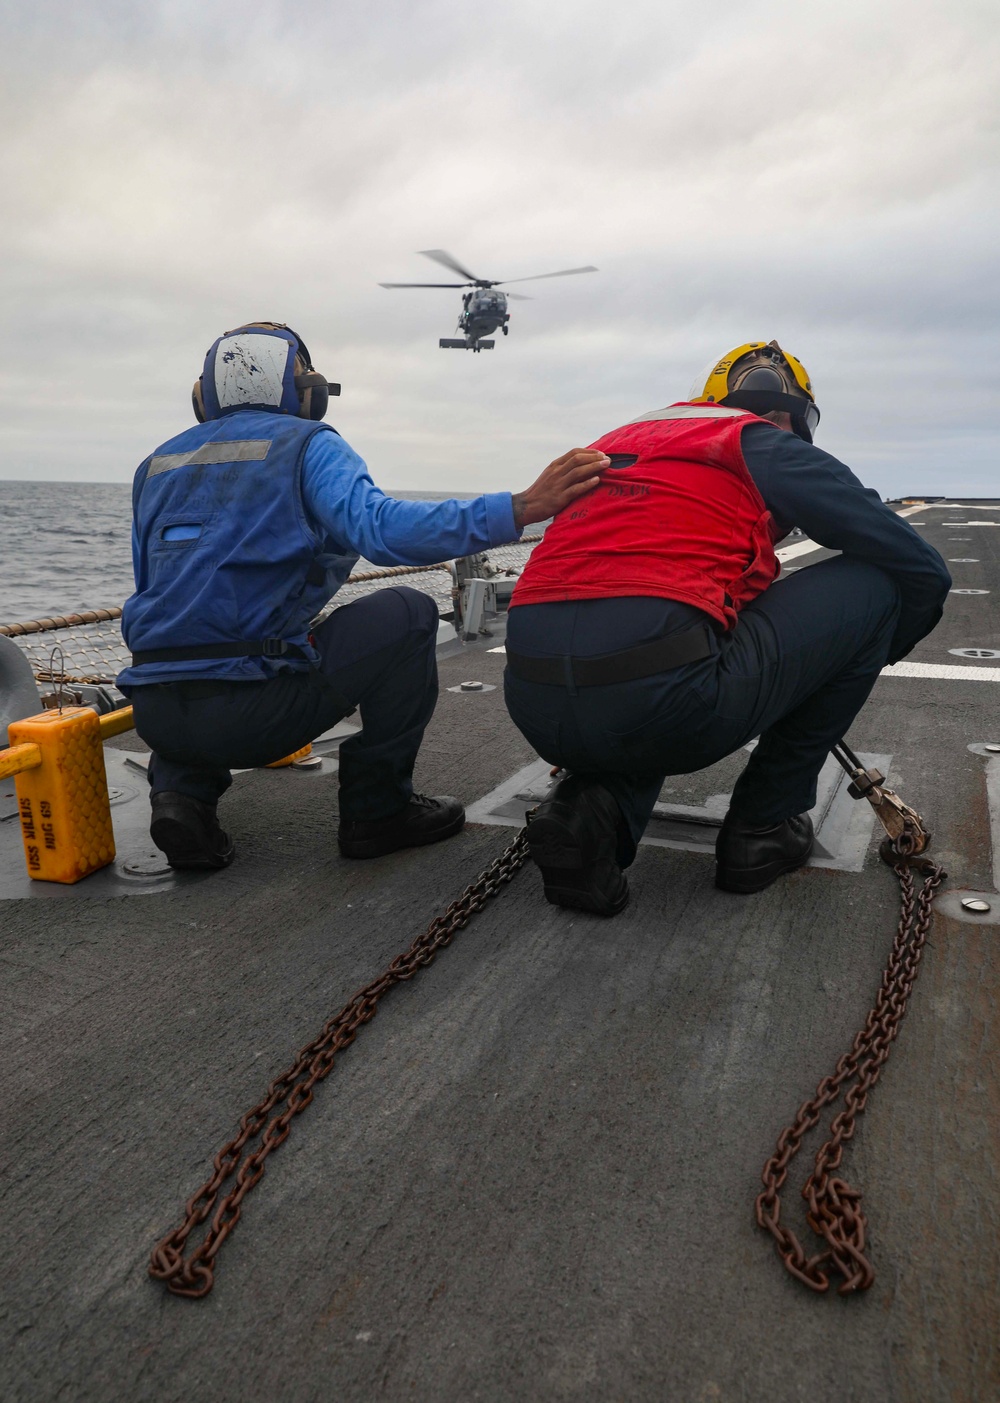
425,284
439,255
562,273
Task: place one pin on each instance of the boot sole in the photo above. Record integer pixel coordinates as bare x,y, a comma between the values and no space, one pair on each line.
182,851
382,847
566,864
755,879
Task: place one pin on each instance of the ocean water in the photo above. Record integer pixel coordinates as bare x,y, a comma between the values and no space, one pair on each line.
67,546
64,546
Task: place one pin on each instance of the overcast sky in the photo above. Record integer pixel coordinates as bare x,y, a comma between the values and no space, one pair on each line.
825,174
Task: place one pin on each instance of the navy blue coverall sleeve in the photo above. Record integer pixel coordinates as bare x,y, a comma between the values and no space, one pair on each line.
340,495
805,487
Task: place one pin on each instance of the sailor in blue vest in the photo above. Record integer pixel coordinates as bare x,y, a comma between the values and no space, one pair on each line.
244,526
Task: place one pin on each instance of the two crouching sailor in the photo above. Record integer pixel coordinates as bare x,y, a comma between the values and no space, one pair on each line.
649,635
244,526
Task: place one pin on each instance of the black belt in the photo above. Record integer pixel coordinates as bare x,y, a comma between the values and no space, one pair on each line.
205,652
661,654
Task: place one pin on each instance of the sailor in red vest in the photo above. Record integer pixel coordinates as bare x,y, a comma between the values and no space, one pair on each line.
648,635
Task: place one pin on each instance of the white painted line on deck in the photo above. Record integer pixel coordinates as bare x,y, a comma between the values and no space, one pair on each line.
805,547
800,548
943,672
993,801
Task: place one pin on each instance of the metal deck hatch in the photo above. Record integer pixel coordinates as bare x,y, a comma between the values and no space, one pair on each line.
691,808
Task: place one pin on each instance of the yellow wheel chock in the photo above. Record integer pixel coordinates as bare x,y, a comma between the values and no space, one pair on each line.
57,760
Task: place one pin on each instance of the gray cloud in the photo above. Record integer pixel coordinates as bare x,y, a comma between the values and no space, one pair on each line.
826,175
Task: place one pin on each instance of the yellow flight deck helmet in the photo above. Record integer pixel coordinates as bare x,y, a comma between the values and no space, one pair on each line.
760,378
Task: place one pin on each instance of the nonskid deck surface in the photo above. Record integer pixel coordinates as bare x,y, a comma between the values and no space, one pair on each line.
532,1177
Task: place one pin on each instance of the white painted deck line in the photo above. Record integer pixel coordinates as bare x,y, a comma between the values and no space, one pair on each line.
993,800
943,671
800,548
807,546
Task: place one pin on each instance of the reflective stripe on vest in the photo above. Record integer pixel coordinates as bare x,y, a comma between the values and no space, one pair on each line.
689,411
246,450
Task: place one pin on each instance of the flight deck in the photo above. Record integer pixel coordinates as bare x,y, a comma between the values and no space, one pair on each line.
533,1174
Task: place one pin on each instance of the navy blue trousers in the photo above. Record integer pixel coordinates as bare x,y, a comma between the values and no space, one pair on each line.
795,671
377,654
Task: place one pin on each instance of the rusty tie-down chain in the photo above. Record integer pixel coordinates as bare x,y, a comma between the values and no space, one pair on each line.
291,1093
834,1210
833,1206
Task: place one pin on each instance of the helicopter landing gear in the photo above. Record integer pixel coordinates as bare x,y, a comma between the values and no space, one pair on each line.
504,329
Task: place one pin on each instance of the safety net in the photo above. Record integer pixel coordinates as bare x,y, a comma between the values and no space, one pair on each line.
88,647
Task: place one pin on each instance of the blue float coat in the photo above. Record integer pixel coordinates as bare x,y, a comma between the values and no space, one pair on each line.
248,548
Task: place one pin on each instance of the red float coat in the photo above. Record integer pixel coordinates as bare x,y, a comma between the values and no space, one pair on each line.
683,521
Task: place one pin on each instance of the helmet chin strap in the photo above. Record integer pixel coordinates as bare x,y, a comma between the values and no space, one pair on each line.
800,427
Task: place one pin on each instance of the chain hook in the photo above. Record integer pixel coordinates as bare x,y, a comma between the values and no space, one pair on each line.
59,681
905,842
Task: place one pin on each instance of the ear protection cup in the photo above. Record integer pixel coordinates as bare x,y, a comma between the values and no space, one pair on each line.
315,402
314,393
197,402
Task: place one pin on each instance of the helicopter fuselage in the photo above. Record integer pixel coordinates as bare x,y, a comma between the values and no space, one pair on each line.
483,311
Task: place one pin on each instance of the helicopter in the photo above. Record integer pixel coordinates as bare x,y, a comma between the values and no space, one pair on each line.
484,308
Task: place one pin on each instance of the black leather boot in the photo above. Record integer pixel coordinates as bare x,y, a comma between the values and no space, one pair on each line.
188,832
750,859
424,820
573,837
